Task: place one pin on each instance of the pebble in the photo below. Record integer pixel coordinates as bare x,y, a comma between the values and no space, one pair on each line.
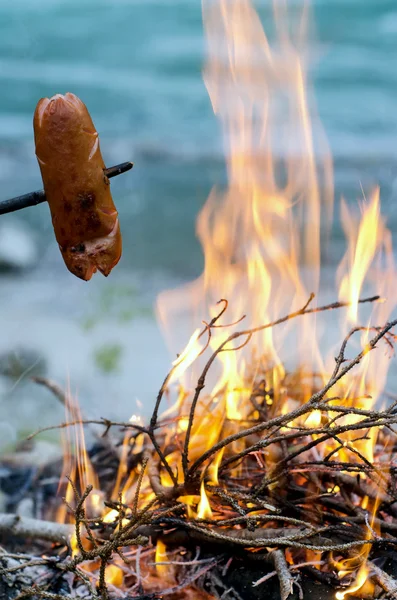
17,362
18,249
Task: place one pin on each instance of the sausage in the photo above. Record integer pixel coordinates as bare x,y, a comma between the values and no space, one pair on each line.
84,217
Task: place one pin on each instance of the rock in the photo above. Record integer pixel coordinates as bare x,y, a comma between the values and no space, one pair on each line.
8,435
18,362
25,508
18,250
31,454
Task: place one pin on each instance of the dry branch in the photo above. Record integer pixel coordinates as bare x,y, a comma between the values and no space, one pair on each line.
25,527
284,575
386,582
301,514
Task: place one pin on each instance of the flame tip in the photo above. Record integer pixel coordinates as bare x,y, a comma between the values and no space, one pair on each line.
262,244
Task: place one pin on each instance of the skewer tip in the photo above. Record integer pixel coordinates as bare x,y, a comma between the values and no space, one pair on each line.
119,169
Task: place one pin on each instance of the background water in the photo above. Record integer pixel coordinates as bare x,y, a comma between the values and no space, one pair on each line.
137,65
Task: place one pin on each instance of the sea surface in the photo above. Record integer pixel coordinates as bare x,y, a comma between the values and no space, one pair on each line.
137,64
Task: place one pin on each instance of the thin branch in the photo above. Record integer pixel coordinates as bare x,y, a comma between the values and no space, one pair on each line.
281,419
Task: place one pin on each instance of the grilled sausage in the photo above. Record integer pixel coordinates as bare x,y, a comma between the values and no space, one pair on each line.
84,217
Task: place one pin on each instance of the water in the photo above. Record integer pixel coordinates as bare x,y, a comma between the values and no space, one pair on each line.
137,65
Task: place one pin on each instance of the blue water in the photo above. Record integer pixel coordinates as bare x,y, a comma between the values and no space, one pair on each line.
137,65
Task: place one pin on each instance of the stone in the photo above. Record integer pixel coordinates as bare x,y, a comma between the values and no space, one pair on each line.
18,249
18,362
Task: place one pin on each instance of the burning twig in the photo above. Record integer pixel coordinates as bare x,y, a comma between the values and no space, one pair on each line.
247,518
278,420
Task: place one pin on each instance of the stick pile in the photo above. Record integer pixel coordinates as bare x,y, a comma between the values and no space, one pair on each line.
295,496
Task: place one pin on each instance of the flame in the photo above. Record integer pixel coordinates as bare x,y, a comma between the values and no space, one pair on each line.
187,357
114,575
161,556
204,510
257,233
314,419
261,243
369,255
77,468
362,246
261,239
361,583
362,576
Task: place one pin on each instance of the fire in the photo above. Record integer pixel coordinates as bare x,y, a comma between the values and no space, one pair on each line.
77,468
262,239
258,232
362,576
314,419
359,563
187,357
114,575
204,510
161,556
363,244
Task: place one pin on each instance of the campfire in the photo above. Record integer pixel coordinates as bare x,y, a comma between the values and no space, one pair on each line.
267,466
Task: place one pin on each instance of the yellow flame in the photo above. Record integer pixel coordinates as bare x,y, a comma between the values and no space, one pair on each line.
261,243
369,254
361,579
73,545
314,419
111,516
204,510
114,575
161,556
122,468
187,357
76,464
361,558
362,246
257,232
212,470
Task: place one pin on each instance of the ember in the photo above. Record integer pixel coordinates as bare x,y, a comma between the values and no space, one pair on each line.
276,462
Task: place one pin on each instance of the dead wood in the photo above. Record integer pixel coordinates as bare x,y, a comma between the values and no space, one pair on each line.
25,527
258,512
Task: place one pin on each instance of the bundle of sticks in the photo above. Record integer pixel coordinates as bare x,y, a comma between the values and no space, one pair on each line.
295,497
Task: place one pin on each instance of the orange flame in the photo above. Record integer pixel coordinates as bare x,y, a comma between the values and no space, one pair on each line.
204,510
77,466
363,244
261,239
114,575
256,234
161,556
261,236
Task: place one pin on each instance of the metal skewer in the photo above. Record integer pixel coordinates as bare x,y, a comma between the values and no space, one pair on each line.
34,198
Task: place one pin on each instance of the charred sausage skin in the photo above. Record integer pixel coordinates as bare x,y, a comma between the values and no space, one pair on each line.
83,214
